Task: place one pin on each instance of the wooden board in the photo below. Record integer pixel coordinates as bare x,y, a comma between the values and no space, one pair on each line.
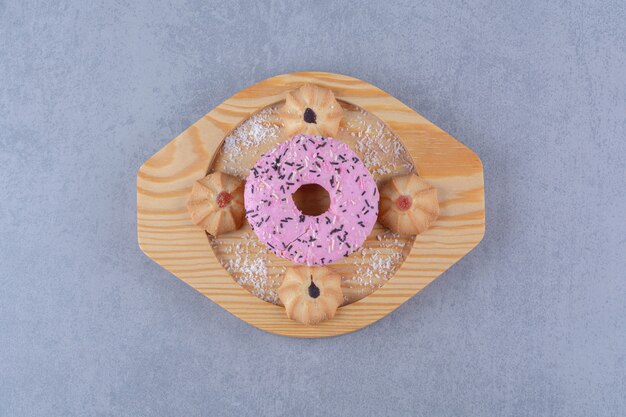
167,236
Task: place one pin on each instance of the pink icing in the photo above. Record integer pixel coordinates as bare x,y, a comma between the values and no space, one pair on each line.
311,240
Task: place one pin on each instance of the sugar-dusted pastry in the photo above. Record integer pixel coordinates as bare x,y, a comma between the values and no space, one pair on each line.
216,203
311,110
310,294
306,239
408,204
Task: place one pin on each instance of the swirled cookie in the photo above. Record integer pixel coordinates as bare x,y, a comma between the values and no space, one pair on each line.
216,203
408,205
311,110
311,294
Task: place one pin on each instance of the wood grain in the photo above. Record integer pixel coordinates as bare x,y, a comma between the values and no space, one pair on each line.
167,236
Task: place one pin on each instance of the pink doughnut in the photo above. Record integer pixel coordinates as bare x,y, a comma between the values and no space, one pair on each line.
311,240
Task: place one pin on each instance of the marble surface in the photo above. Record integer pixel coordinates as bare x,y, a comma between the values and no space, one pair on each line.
531,323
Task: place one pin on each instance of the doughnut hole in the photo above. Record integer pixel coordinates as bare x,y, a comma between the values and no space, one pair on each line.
311,199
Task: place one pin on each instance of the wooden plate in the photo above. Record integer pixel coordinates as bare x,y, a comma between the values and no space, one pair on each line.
167,236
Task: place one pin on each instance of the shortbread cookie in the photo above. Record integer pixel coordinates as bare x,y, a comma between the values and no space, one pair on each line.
311,110
216,203
408,205
311,294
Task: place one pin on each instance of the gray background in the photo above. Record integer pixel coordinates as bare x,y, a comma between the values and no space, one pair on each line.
531,323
